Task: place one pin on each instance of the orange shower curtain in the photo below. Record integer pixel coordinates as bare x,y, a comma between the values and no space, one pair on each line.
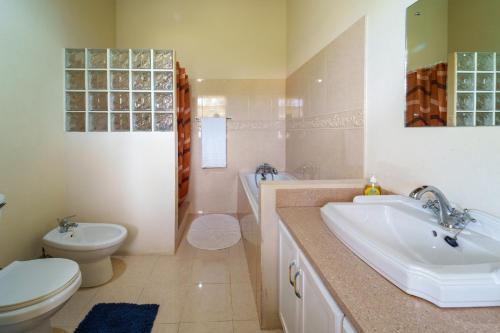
426,103
184,131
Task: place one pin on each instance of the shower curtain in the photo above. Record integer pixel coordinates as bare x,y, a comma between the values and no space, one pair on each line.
184,131
426,103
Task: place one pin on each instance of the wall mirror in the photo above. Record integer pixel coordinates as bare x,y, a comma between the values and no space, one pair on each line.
453,63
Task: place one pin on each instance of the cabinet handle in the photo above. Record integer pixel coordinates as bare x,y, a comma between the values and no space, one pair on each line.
295,284
292,283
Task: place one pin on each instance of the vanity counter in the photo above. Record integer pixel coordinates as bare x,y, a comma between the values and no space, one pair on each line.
372,303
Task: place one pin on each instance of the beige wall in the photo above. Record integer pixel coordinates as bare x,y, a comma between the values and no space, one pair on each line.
457,160
474,25
427,33
256,134
325,100
124,178
32,35
448,26
216,39
239,49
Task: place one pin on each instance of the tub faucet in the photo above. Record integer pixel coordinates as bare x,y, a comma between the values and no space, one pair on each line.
449,217
65,224
265,169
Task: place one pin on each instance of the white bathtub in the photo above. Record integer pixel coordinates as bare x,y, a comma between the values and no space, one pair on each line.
252,189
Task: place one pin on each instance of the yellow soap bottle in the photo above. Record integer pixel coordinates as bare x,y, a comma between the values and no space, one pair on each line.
372,188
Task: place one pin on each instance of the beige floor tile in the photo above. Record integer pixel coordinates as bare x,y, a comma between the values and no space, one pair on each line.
137,270
207,302
237,251
210,270
185,250
243,303
171,301
207,327
238,270
212,254
64,329
170,270
251,326
165,328
113,293
73,312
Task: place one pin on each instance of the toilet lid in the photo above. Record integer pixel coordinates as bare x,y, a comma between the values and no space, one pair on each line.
24,283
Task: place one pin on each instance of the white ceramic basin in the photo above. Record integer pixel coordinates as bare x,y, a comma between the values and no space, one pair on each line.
87,237
404,243
89,244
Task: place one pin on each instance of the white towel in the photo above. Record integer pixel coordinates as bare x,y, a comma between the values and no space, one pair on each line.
213,142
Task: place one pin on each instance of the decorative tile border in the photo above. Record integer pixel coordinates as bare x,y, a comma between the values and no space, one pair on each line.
255,125
338,120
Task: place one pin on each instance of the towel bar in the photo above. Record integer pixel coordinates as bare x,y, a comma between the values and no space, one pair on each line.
199,119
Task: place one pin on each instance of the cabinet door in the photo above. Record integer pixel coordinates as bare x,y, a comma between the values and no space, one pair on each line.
320,313
289,304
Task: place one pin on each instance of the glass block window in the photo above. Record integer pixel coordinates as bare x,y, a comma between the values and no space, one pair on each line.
119,90
477,99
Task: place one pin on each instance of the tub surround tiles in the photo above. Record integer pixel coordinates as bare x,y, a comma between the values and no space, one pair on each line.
256,133
318,197
324,111
371,302
315,197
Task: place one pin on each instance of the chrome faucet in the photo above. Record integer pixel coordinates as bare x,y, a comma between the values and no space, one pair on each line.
65,224
265,169
449,217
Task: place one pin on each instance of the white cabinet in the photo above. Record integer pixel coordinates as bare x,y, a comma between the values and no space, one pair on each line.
289,304
305,304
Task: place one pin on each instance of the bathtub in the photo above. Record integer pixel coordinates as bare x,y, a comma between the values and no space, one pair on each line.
249,218
252,190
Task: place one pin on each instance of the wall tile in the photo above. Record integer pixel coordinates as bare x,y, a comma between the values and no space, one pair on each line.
324,111
256,134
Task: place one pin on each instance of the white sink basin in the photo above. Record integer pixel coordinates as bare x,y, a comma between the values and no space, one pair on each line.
404,243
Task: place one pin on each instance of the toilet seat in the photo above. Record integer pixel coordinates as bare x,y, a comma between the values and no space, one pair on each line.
25,283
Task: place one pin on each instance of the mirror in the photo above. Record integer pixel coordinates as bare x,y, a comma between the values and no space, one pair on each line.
453,63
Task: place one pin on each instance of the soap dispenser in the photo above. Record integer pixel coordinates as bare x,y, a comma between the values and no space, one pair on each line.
372,188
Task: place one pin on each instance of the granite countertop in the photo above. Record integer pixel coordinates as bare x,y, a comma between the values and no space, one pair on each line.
372,303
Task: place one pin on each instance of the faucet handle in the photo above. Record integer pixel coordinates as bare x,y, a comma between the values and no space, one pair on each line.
65,219
433,205
467,217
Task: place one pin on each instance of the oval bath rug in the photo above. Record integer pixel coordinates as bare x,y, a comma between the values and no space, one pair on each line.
214,232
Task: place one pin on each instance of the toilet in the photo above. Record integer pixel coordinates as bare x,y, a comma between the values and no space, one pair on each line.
33,291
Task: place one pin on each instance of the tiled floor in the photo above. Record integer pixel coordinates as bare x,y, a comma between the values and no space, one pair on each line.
198,292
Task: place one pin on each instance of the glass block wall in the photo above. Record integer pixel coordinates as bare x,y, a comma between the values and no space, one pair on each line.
119,90
477,89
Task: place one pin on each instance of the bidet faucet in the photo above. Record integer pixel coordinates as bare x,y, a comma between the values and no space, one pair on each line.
449,217
65,224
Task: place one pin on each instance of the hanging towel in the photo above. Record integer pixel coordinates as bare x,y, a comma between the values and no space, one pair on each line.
213,142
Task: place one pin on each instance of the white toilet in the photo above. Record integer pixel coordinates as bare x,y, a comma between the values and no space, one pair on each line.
32,291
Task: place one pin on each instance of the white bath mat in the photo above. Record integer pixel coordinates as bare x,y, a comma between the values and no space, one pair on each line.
214,232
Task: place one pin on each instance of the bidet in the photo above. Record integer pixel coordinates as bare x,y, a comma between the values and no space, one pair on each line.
90,245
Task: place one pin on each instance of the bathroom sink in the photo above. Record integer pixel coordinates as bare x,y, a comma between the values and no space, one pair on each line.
404,243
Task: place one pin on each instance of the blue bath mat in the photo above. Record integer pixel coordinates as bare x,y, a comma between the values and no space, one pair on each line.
119,318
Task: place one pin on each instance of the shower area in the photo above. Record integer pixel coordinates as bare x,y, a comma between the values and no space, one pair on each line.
127,137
